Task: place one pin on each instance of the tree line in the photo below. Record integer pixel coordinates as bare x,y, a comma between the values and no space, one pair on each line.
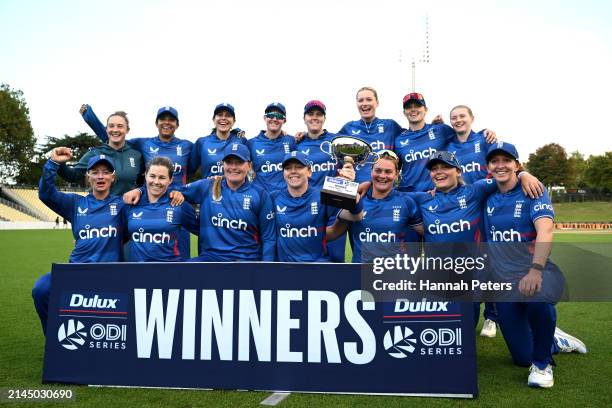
21,159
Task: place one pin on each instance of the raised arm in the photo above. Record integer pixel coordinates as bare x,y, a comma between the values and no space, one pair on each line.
59,202
94,123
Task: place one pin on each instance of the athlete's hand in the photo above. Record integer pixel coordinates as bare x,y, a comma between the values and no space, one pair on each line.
437,120
347,171
132,197
531,185
299,136
83,108
490,136
176,198
531,283
432,192
61,154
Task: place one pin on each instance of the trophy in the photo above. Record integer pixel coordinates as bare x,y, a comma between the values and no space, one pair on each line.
338,191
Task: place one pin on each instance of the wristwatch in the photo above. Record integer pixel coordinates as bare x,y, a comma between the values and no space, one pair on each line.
537,266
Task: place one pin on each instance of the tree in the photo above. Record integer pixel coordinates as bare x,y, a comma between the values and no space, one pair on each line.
598,174
17,139
549,163
577,167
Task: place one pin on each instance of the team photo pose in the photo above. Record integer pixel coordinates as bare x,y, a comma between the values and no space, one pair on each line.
378,133
529,327
208,150
96,218
153,226
128,161
269,148
301,219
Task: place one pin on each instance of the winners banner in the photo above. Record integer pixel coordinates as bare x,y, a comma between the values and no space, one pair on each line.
252,326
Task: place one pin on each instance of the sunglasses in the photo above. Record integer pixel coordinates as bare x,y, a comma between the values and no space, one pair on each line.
387,152
275,115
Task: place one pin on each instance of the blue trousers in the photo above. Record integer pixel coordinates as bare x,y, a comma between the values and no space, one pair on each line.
40,294
528,330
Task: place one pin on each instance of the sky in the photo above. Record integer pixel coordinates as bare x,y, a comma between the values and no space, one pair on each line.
534,72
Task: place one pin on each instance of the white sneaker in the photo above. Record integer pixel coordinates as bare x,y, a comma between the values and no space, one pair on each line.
489,328
540,378
568,343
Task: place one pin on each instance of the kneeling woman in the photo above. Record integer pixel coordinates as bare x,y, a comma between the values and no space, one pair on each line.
520,233
154,225
96,218
301,219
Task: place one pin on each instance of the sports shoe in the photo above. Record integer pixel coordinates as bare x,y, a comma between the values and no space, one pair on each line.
568,343
489,328
540,378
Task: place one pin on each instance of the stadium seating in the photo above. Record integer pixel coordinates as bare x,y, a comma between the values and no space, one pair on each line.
29,198
12,214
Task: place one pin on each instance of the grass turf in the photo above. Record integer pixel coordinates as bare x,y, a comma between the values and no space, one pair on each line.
579,379
587,212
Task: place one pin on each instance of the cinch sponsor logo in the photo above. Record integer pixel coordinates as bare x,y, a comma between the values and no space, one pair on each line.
231,321
220,221
367,236
177,168
505,235
271,167
151,238
443,228
216,168
542,206
377,145
293,232
92,233
419,155
470,167
325,166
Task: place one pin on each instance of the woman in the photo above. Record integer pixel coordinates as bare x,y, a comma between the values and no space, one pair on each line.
390,216
269,148
128,161
208,150
322,164
153,226
96,218
528,325
301,219
379,133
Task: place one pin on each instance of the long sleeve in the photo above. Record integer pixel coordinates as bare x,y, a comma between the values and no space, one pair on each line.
61,203
74,174
189,221
94,123
195,192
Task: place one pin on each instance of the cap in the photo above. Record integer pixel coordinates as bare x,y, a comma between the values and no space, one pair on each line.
225,107
414,97
167,109
276,106
443,157
502,147
100,158
314,104
298,157
239,150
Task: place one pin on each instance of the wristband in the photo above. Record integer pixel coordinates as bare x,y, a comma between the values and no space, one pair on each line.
358,208
537,266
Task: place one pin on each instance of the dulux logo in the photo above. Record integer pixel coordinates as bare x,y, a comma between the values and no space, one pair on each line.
443,228
78,300
91,233
419,155
293,232
151,238
505,235
403,305
220,221
271,167
367,236
71,335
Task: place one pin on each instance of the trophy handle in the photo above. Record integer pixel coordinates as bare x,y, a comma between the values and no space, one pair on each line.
329,149
374,156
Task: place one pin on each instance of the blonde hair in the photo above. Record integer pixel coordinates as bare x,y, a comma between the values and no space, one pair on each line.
120,114
368,88
464,107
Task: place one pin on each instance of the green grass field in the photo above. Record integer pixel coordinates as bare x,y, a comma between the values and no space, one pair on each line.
587,211
579,379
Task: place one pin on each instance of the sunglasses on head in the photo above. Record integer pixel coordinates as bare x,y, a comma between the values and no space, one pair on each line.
275,115
389,153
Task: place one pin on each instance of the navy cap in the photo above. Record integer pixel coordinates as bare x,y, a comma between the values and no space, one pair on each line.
225,107
314,104
443,157
276,106
502,147
100,158
414,97
167,109
297,156
239,150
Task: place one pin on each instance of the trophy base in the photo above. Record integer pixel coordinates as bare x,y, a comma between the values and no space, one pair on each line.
339,192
